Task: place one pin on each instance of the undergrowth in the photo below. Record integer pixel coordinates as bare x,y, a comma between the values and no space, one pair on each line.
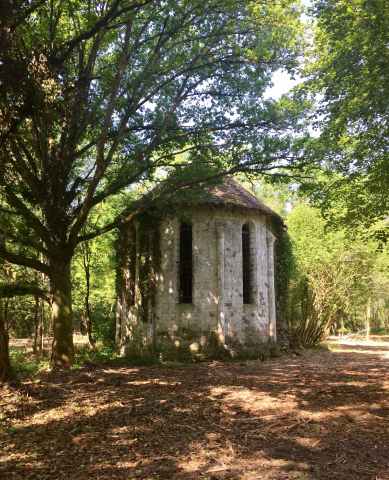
321,346
26,363
106,355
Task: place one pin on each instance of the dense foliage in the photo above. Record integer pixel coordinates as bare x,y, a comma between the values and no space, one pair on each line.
349,73
101,100
99,96
336,280
284,268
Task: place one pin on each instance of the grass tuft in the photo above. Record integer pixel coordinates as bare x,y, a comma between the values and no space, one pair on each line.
321,346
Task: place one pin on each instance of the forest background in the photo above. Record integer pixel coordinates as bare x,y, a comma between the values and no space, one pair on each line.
330,186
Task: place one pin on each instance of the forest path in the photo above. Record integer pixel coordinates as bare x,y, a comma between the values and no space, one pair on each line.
321,415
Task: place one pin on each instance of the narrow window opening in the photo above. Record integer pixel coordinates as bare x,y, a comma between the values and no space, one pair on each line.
186,273
246,264
131,267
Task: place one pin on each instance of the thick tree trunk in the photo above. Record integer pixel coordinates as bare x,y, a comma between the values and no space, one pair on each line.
88,322
63,350
5,365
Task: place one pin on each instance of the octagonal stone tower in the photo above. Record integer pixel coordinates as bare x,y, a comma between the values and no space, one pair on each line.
209,289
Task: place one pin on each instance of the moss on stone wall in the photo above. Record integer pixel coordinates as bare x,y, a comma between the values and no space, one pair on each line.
149,258
148,265
121,247
283,270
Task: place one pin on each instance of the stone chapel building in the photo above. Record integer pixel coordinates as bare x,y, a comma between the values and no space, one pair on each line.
211,281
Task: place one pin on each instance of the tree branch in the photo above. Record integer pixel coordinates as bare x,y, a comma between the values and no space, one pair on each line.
28,242
24,261
119,221
111,15
24,13
20,289
23,170
9,212
30,218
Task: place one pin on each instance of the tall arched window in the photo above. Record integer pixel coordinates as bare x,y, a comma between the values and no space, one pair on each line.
186,273
246,260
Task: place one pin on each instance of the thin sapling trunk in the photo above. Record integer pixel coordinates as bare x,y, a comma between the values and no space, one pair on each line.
36,326
41,313
88,322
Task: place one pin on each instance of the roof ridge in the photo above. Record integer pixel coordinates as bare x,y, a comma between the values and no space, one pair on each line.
231,192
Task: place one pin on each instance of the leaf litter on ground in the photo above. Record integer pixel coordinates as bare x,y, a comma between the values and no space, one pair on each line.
324,415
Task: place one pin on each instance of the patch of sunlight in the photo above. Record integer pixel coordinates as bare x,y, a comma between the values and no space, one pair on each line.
119,463
308,442
47,416
21,457
265,408
182,410
213,436
83,438
281,463
384,352
200,457
143,382
155,382
343,344
125,370
248,399
303,466
219,467
58,414
128,464
191,465
126,442
119,430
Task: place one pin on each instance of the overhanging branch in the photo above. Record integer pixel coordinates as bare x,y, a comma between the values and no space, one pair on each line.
126,217
120,221
111,15
24,261
21,289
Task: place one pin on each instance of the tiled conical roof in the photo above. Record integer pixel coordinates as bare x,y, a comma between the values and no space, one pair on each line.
230,192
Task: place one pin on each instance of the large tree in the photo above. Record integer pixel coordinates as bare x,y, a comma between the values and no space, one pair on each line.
97,96
349,72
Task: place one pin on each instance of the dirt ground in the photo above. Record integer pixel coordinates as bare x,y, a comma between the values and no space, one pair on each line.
321,415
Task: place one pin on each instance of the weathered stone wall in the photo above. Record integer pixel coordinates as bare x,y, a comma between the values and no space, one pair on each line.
217,323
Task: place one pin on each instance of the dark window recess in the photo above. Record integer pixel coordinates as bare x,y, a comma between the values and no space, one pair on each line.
186,263
131,268
246,264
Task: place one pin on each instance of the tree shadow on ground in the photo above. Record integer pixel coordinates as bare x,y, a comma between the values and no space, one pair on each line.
323,415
